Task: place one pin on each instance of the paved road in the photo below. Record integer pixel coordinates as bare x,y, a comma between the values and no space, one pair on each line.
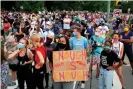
128,78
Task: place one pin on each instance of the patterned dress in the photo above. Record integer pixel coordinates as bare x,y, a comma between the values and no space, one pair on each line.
4,74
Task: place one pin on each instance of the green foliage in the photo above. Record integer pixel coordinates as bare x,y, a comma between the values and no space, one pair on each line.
30,5
67,5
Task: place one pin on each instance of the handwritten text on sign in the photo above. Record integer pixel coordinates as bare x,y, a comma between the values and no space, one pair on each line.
70,65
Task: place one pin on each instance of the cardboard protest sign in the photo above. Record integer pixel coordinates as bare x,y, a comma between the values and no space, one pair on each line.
70,66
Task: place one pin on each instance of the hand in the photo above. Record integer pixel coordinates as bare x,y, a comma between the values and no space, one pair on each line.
5,43
18,50
98,44
115,64
37,66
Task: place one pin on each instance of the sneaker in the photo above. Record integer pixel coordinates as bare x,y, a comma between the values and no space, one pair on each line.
82,85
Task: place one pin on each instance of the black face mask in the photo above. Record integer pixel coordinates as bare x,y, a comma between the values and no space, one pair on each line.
48,41
61,45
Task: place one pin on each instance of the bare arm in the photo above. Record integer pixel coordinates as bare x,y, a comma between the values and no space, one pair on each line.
40,64
127,40
15,53
121,53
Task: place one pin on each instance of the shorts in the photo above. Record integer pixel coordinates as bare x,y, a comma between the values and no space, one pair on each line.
96,60
13,67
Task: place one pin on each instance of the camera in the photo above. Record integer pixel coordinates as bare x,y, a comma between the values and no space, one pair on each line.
94,44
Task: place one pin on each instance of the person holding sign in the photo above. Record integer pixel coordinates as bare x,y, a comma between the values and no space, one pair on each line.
78,42
63,45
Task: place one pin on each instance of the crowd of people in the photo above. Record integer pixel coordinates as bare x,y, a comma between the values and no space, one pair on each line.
29,39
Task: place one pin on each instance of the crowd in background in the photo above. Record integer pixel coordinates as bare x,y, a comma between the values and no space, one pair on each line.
28,40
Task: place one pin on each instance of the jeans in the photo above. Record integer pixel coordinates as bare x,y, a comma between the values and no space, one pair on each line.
63,85
106,79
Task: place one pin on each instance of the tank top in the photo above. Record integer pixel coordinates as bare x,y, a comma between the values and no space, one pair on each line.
43,52
23,59
116,47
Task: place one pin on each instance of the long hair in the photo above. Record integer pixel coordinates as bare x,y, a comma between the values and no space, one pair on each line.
67,44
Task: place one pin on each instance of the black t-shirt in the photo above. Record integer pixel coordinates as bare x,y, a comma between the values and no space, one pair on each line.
49,50
107,59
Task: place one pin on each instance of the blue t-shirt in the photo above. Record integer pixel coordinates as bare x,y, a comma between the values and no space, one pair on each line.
126,37
97,51
55,30
78,44
90,30
60,25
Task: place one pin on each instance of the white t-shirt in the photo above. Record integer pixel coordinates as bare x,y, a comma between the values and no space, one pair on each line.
66,23
116,47
33,24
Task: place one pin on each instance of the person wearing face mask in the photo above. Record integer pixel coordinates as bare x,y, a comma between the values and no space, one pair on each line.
63,45
109,61
6,26
96,42
48,30
50,46
24,56
38,30
127,39
78,42
90,30
118,48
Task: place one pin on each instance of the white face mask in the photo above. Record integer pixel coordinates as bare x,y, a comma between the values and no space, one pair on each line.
96,33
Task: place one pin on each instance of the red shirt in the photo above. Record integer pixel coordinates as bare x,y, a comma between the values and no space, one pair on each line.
42,50
6,26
